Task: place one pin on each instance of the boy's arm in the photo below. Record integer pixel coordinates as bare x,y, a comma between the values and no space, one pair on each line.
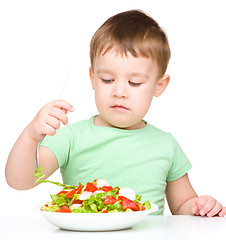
21,162
183,200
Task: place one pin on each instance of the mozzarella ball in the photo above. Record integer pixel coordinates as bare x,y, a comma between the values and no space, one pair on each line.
128,193
98,191
85,195
102,182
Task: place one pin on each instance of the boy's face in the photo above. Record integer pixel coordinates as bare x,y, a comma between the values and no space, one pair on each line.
124,87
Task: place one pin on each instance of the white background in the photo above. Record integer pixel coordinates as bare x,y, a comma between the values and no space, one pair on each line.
41,41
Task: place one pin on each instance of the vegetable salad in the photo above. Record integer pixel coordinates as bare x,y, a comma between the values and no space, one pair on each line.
93,197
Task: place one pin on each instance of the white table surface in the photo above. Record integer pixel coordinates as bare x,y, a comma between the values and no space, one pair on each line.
153,227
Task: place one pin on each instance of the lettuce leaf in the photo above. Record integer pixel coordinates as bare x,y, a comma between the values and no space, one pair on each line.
40,176
147,204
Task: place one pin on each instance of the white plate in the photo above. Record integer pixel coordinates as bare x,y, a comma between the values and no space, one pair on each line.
97,221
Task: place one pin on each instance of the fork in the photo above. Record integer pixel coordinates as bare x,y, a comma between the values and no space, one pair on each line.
61,93
36,155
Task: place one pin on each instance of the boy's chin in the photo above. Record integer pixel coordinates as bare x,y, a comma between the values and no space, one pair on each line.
119,122
126,125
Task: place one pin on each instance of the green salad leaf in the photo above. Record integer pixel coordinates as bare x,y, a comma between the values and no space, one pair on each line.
147,204
40,176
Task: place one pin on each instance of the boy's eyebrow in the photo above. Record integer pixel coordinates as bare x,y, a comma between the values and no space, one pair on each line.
134,74
137,74
104,71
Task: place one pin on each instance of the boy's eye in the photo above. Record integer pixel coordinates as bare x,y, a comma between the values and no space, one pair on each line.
134,84
107,80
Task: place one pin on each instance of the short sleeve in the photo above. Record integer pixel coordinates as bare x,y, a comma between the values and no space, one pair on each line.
59,144
180,164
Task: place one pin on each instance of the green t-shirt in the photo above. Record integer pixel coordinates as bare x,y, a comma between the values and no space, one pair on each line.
142,159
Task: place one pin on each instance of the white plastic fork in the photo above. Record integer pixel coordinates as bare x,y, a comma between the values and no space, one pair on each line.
61,94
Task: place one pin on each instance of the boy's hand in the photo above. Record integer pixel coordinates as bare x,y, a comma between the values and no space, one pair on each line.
48,119
206,205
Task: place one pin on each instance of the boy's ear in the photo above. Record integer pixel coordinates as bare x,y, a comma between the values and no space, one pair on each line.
161,85
91,75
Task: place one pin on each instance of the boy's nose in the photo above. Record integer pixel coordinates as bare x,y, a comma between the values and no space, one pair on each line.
120,90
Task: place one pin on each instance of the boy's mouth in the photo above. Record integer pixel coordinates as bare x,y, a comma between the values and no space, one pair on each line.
119,107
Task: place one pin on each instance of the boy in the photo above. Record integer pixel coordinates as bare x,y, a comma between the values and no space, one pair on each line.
129,56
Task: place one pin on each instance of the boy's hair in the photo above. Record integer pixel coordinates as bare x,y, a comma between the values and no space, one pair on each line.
135,32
